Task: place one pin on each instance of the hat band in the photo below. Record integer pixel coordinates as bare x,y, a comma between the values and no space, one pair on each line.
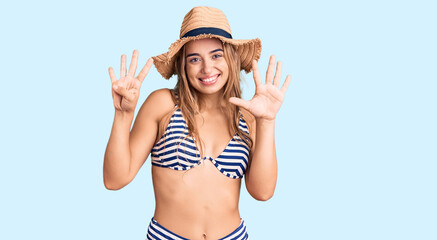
206,30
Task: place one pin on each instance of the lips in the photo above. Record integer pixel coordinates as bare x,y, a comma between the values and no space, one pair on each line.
209,79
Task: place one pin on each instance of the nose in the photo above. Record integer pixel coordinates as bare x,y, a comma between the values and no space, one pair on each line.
207,66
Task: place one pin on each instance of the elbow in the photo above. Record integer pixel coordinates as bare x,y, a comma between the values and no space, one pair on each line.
260,192
262,196
113,185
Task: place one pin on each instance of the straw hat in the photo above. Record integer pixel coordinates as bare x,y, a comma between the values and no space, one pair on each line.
207,22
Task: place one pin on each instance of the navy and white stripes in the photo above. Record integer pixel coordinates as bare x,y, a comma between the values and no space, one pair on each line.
177,150
156,231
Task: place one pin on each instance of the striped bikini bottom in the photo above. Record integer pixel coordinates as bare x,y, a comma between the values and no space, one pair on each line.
157,231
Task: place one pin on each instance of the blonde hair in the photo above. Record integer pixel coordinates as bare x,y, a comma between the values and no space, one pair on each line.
187,99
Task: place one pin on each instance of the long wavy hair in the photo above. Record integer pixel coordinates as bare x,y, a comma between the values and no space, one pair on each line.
187,97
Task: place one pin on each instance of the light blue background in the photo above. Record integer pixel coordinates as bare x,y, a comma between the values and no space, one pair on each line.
356,135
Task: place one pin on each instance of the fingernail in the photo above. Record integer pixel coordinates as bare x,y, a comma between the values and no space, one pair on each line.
115,87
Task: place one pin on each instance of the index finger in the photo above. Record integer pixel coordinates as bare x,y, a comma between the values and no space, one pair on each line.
270,69
256,76
123,66
145,70
112,75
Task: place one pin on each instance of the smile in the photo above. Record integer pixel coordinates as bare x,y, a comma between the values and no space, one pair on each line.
210,80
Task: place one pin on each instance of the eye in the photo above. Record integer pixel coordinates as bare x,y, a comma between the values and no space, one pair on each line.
216,56
193,60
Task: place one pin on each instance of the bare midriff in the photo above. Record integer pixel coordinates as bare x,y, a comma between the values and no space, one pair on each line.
199,203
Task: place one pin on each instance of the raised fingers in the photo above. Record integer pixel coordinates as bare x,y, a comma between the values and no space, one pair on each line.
123,66
256,76
285,85
270,69
133,64
112,75
145,70
277,78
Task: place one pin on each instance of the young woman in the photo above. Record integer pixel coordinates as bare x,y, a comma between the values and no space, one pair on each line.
202,137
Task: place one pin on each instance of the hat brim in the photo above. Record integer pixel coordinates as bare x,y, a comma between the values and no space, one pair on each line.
248,50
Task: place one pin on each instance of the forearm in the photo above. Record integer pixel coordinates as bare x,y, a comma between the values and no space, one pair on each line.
117,156
261,179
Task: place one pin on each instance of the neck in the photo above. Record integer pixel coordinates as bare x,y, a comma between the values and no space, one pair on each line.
209,102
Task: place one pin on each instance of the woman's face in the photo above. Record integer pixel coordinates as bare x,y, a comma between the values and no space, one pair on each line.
206,67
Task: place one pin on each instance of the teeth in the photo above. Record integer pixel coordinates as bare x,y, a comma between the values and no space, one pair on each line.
209,79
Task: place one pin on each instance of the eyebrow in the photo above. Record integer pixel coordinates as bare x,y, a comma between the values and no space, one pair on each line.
213,51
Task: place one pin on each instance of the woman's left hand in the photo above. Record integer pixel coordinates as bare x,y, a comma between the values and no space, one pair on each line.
268,97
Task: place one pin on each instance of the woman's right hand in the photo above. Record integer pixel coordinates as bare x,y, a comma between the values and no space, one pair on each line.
126,90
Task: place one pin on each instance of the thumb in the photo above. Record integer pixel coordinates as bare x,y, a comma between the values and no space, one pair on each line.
120,90
239,102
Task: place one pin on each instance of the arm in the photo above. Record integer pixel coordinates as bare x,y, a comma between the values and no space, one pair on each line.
261,173
117,155
127,150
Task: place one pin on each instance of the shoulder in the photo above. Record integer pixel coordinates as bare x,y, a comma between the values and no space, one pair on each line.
162,97
158,104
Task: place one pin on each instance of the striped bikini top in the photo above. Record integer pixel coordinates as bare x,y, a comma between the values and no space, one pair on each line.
177,150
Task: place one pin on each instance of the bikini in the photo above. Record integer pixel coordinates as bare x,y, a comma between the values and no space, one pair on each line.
178,151
157,231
